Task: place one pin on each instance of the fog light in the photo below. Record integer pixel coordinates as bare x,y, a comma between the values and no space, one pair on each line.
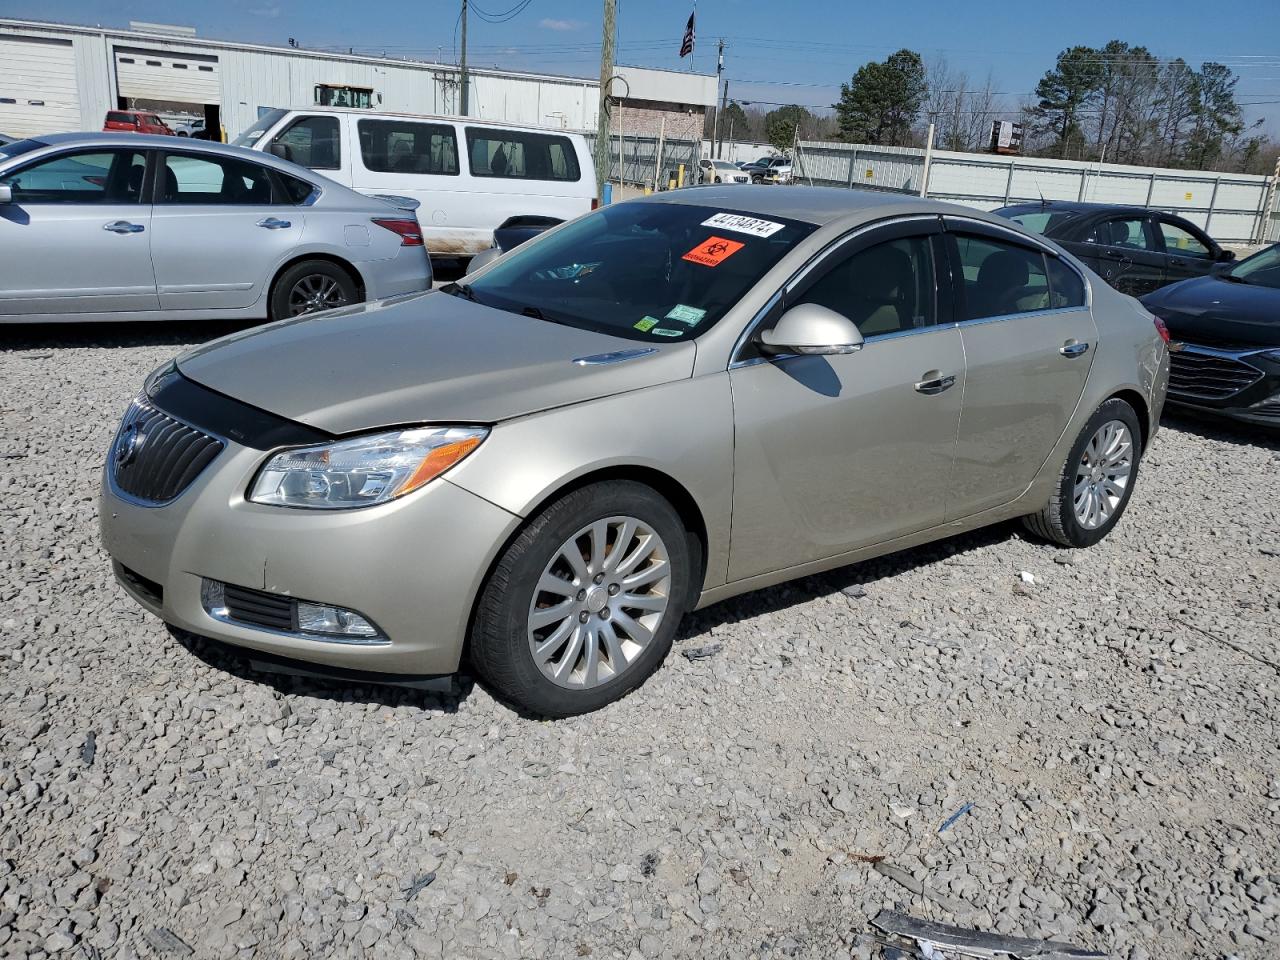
322,618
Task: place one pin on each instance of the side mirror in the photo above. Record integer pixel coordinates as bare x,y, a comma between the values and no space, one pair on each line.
1226,256
6,193
1219,268
812,329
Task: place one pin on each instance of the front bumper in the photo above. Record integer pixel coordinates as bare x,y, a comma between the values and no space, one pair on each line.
413,566
1242,385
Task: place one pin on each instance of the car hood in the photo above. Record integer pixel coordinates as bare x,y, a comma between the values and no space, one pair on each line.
1218,312
428,358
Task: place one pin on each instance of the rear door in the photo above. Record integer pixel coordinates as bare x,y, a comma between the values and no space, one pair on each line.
220,227
1129,255
1188,251
77,236
1029,341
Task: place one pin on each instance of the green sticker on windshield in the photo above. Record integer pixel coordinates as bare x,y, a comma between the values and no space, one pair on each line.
685,314
660,332
646,324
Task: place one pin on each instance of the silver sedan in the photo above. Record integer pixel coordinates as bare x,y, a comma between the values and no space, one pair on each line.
659,405
104,226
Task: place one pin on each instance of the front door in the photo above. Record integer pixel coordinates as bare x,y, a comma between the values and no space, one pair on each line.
220,228
1187,254
1127,254
77,236
833,453
1029,340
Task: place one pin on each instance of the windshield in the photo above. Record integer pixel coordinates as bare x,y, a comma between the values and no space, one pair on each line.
260,126
19,147
1040,221
1262,269
646,271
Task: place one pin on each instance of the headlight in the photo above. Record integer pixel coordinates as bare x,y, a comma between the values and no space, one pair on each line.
362,471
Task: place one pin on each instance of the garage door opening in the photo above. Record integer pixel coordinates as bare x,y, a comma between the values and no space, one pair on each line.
183,88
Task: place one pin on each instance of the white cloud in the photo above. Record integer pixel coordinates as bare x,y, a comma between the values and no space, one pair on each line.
546,23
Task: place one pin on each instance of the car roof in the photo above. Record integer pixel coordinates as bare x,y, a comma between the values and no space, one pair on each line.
1076,206
816,205
152,141
451,118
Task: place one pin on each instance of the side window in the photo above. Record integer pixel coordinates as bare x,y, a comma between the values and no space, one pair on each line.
514,154
188,178
103,176
403,146
883,289
1066,289
1000,278
1128,232
1182,243
310,141
296,191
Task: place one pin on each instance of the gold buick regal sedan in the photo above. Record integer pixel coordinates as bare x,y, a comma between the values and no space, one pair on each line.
539,469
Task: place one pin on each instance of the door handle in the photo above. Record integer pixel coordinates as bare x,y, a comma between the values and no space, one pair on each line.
123,226
935,385
271,223
1073,348
1113,254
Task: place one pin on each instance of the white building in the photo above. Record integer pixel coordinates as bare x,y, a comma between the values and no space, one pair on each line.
56,77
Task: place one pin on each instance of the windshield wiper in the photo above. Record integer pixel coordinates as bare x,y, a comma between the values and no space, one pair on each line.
460,290
536,314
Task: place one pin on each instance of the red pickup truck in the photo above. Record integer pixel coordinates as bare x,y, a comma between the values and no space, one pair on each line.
137,121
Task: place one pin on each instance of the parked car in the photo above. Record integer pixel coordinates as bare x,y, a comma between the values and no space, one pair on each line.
106,226
769,170
721,171
662,404
509,171
136,121
192,128
1225,346
1134,249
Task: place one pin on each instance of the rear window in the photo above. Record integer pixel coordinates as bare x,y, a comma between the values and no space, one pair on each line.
518,155
407,146
117,117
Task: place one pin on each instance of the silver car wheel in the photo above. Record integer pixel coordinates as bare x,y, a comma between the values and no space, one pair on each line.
599,602
315,292
1102,475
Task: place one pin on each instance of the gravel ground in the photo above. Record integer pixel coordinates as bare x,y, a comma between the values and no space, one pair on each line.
1113,724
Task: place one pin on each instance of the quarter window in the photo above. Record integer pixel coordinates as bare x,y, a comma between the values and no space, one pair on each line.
1066,289
518,155
886,288
403,146
1000,278
1183,243
1130,233
104,176
310,141
213,180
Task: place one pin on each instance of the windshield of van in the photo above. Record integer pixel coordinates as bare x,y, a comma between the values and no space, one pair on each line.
646,271
260,126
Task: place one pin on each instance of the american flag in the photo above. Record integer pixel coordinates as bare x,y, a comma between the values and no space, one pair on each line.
686,45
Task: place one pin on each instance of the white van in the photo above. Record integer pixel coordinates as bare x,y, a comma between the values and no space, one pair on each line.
468,176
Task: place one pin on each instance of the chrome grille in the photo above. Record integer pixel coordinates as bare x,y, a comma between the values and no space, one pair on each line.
155,457
1208,377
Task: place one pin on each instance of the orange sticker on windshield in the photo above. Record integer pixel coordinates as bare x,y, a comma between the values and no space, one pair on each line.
713,252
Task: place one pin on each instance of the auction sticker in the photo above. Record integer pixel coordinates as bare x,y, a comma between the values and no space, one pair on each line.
713,251
686,314
740,224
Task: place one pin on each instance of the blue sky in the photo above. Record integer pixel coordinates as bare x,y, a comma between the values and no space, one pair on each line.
780,51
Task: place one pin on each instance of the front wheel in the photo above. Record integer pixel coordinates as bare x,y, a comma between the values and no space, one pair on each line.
311,286
1096,481
583,605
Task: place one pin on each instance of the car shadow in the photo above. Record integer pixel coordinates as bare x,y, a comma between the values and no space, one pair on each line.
116,334
1208,426
228,659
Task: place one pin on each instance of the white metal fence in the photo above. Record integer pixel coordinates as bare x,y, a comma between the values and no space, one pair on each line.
1229,206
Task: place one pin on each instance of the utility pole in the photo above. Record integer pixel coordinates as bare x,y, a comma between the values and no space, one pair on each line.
715,124
463,68
606,78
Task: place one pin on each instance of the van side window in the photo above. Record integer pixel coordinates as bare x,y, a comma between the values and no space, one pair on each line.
311,142
404,146
518,155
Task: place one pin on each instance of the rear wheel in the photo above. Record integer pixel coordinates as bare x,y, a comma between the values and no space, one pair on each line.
583,605
310,286
1096,481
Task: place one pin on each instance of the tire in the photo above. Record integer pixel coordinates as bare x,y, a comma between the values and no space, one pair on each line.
1061,521
333,285
506,627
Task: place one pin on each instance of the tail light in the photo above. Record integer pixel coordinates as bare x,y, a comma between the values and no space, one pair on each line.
407,229
1161,329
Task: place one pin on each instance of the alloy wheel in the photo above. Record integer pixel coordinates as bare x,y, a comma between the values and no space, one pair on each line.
315,292
599,602
1102,475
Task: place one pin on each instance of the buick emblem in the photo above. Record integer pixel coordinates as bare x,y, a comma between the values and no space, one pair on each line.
128,445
